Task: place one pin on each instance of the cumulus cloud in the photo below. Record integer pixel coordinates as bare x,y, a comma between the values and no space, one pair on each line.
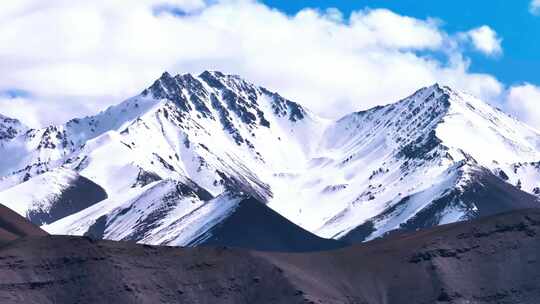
485,40
78,57
395,31
534,7
524,102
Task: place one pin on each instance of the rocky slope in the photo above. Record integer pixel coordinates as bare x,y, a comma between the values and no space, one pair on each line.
490,260
14,226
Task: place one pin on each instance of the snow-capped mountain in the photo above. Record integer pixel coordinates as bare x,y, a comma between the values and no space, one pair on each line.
391,166
170,165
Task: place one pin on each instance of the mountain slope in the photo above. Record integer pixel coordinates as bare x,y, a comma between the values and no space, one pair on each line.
182,214
491,260
253,225
483,195
14,226
151,214
53,195
405,165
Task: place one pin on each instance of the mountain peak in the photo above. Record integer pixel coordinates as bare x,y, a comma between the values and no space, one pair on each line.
435,86
441,87
165,75
10,127
166,86
427,93
223,92
434,98
212,73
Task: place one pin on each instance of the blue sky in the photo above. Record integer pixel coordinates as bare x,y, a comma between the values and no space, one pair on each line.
511,19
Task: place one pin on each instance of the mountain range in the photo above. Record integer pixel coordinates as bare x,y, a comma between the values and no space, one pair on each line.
211,159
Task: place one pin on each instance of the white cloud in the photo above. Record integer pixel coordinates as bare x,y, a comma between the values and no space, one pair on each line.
79,57
485,40
20,107
35,111
524,102
396,31
534,7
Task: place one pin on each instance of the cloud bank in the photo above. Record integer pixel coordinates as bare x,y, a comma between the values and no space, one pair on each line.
77,57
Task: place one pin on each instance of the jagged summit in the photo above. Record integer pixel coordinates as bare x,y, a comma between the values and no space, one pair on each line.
439,115
167,85
215,91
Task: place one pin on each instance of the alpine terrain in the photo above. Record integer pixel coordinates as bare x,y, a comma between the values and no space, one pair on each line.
203,159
